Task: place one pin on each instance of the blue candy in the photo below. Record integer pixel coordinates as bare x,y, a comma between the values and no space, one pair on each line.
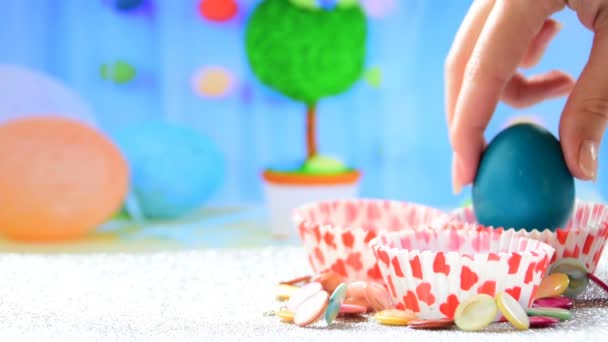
335,302
523,181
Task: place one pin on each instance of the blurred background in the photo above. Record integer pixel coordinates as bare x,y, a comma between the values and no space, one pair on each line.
127,63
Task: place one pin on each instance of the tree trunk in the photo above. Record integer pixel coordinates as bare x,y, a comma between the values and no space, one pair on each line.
311,130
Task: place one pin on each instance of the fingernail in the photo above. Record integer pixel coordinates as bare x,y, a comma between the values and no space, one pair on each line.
587,159
456,175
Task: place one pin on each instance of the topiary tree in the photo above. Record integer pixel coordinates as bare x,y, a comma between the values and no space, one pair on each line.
307,51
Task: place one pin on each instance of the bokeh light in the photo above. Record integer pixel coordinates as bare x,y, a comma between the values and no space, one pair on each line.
213,82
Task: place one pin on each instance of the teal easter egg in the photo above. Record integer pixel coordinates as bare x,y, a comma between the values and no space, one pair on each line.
174,169
523,181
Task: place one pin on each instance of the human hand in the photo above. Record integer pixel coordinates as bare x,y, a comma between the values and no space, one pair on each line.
495,38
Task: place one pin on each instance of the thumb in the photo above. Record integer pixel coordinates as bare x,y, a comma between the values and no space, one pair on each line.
585,115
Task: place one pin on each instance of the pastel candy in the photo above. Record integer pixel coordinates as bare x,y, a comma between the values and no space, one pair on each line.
577,274
311,309
356,294
329,280
395,317
553,285
377,297
352,309
302,294
431,323
542,322
285,315
561,314
335,302
554,302
513,311
284,292
475,313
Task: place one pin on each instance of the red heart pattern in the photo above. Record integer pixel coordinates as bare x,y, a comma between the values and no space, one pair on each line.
439,265
468,278
449,307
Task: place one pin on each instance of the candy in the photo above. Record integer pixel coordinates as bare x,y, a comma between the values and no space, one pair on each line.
302,294
542,321
378,297
395,317
561,314
513,311
329,280
297,281
284,292
356,294
431,323
476,312
311,309
285,315
335,302
553,285
554,302
352,309
577,274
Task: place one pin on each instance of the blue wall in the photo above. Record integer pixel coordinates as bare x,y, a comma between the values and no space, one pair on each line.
396,133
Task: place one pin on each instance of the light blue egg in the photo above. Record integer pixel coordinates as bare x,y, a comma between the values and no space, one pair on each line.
174,169
335,302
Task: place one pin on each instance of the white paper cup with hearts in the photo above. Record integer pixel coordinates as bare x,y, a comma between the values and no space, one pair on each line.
430,271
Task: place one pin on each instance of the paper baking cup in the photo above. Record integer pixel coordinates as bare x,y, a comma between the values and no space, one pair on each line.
336,233
583,237
430,271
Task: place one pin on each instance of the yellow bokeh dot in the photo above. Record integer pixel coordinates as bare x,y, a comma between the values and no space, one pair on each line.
213,82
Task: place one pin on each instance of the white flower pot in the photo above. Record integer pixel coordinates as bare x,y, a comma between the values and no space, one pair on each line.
285,193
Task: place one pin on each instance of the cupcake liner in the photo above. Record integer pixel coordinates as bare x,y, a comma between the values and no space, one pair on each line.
336,233
430,271
583,237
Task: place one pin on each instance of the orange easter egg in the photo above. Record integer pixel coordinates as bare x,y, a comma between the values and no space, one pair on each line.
59,179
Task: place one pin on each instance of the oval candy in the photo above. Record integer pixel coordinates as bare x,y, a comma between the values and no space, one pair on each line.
512,311
475,313
577,274
284,291
395,317
285,315
554,302
558,313
542,321
352,309
377,297
431,324
311,310
329,280
302,294
553,285
335,302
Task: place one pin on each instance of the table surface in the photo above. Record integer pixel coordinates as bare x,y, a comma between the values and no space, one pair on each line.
203,295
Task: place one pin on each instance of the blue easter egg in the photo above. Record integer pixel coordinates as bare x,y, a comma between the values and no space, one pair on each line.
174,169
523,181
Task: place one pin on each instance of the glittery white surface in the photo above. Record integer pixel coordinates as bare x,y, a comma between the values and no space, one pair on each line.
206,295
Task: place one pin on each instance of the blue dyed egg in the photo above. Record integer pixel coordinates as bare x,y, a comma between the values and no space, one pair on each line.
174,169
523,181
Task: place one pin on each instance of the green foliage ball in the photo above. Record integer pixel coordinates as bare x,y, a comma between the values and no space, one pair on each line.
306,54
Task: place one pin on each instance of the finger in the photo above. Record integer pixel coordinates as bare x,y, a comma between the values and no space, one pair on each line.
584,118
523,92
461,50
539,43
501,46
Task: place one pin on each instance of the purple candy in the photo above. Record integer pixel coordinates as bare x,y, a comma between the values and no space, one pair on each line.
542,321
553,302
